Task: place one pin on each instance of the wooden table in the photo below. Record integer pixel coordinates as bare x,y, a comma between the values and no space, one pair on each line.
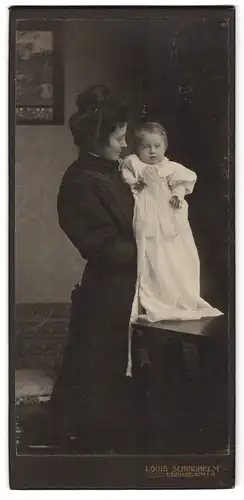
192,335
185,381
205,327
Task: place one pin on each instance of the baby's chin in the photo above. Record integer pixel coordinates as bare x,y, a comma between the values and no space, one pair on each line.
153,161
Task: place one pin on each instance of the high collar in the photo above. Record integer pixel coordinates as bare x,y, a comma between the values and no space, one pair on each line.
98,162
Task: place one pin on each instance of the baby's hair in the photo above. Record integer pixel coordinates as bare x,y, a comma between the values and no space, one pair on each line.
152,128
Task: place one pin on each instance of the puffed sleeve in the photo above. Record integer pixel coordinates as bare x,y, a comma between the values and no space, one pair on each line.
90,227
181,180
132,171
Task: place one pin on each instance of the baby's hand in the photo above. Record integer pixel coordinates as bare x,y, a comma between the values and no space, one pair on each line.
176,202
140,185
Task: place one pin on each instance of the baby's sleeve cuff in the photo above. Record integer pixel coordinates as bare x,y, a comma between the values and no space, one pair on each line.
179,191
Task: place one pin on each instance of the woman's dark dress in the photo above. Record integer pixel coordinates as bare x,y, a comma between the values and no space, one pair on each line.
95,210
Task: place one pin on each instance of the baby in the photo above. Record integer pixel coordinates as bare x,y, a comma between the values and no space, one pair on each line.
168,268
152,143
168,264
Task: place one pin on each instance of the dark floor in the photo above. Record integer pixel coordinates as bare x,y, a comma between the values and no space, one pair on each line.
172,440
179,404
190,419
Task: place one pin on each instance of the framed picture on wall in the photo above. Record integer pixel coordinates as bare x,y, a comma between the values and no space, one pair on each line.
39,75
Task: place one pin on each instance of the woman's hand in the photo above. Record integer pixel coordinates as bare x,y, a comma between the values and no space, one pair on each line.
176,202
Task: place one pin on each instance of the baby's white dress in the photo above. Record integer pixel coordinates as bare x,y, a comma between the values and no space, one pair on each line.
168,262
168,277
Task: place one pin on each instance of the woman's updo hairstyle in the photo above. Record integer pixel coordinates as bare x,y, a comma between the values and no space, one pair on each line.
98,115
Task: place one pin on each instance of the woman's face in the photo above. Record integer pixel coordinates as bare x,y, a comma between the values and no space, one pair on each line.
116,143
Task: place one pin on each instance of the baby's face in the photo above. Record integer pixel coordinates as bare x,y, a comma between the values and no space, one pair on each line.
152,148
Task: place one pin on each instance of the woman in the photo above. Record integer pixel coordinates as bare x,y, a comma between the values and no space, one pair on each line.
95,208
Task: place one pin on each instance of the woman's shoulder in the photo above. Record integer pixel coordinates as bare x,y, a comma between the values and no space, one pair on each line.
83,175
75,180
71,174
79,171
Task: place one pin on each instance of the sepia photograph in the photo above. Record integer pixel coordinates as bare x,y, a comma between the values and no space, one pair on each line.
122,298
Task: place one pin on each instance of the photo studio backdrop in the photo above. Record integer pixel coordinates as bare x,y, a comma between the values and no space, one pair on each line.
174,68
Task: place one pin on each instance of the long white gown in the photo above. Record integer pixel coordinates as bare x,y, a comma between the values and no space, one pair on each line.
168,282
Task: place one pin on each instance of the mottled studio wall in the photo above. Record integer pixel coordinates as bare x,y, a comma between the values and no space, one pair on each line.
47,265
181,71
